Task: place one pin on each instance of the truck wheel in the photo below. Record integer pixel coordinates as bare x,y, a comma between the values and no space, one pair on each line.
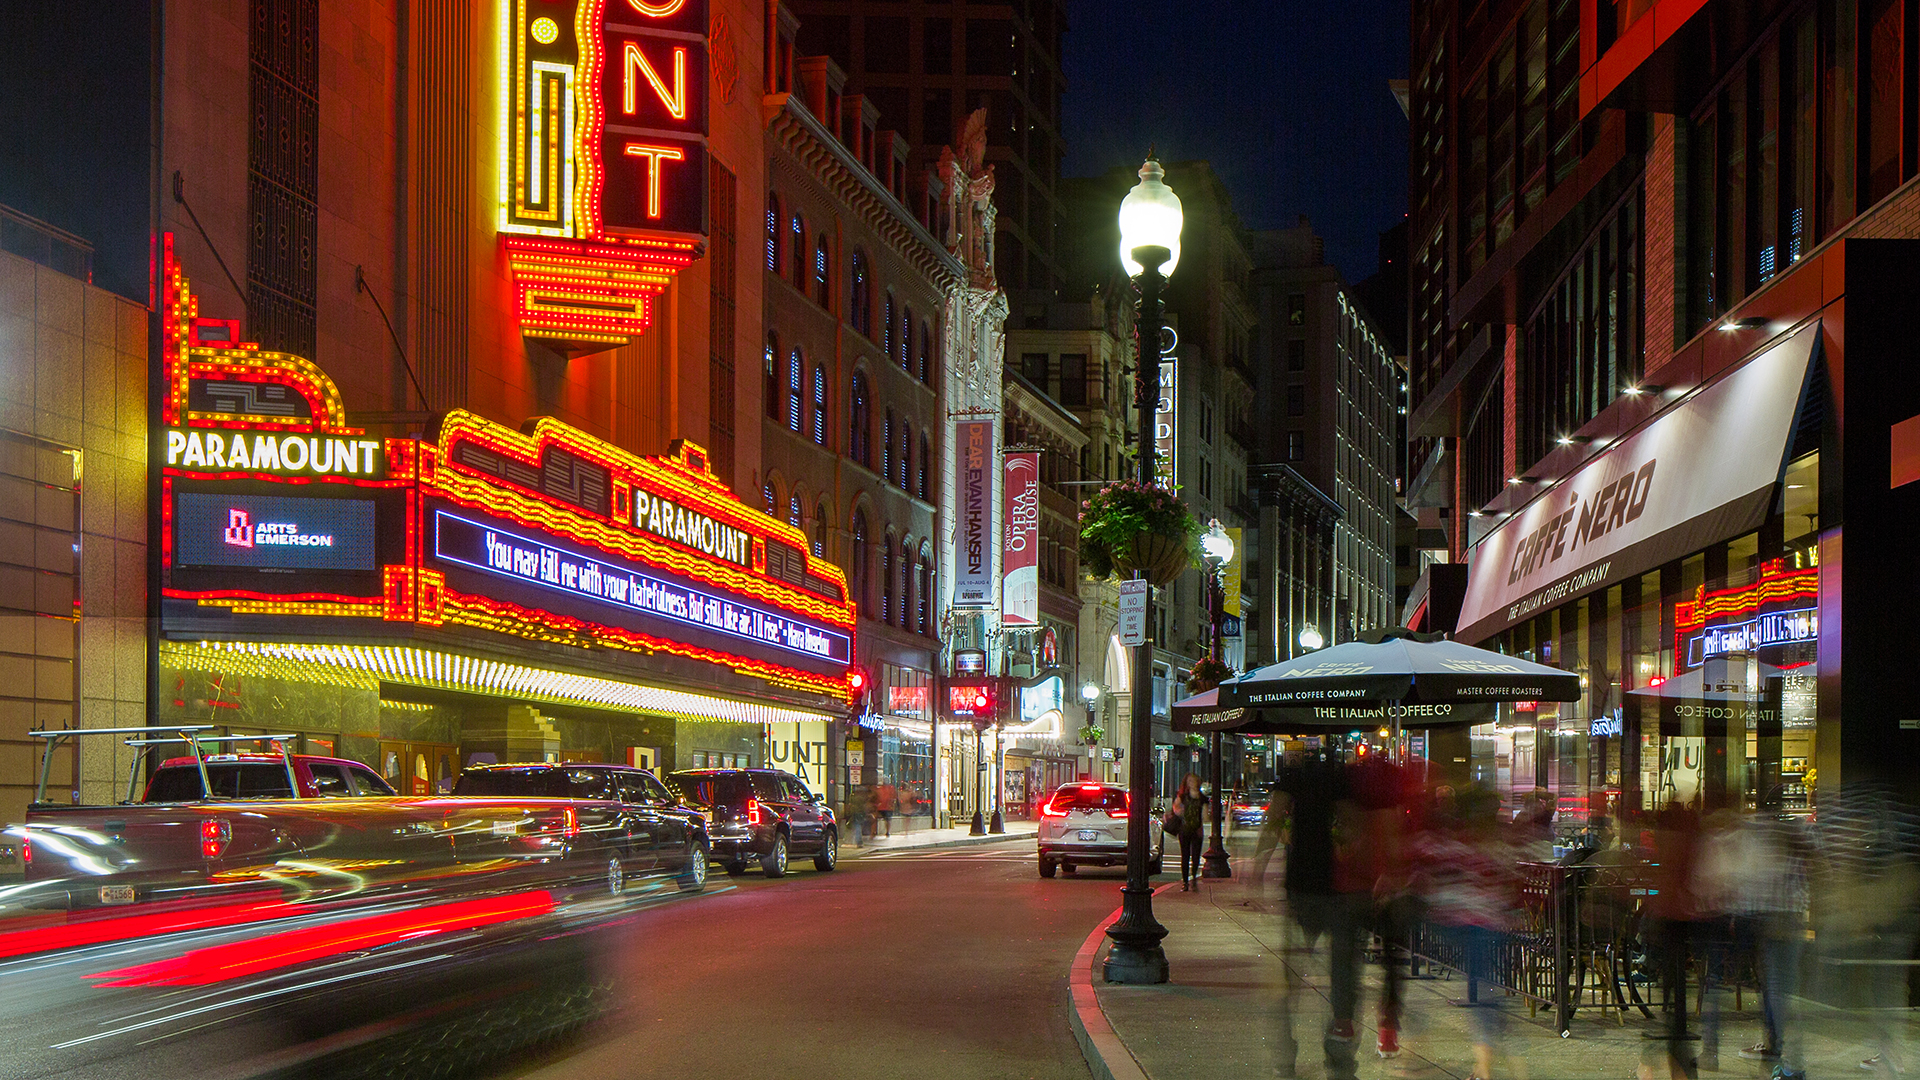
1046,868
829,856
774,862
616,875
694,878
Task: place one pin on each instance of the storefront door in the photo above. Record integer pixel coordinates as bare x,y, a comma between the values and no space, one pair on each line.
417,768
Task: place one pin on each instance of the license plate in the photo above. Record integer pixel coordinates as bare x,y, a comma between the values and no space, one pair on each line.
505,828
116,894
1089,834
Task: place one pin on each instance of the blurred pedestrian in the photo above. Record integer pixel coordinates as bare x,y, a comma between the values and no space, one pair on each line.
1370,864
1672,911
1312,795
1467,868
859,811
1190,805
886,799
1867,843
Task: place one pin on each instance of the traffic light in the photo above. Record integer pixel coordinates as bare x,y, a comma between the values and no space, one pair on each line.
857,686
976,701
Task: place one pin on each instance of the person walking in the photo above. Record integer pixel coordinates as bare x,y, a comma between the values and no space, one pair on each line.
1190,805
885,800
859,809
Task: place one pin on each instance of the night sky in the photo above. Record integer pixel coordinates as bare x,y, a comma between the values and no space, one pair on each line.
1289,102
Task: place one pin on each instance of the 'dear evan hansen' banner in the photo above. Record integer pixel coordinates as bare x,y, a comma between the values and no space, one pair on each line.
973,536
1020,558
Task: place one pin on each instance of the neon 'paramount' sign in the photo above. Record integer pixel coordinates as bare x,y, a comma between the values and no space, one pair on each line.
201,450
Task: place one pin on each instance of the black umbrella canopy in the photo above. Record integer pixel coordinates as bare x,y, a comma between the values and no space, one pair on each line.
1402,667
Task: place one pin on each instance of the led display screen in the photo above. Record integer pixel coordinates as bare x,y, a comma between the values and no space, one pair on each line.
621,589
273,532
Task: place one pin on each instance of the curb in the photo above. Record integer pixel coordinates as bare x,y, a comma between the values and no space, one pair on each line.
1107,1057
963,841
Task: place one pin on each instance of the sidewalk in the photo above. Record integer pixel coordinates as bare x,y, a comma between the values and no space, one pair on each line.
903,840
1224,1015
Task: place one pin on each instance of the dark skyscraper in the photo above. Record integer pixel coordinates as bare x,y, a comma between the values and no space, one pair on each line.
928,65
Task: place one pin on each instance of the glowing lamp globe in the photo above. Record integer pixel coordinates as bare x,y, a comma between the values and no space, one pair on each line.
1310,639
1150,215
1217,545
1089,693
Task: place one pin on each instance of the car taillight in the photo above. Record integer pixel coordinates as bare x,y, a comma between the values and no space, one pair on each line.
1052,811
753,810
214,837
570,822
26,851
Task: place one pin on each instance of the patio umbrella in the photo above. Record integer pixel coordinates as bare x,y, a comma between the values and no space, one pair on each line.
1393,674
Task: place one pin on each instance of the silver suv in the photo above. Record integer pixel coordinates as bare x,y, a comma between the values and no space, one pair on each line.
1085,824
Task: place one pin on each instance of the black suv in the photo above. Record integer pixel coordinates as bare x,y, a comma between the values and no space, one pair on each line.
762,814
614,820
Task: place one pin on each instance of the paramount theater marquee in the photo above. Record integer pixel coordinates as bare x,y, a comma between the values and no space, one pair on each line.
282,524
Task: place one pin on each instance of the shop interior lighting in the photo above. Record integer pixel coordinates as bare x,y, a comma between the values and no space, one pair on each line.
366,667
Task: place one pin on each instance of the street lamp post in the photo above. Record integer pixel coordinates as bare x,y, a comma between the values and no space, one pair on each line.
1090,694
1217,547
1149,240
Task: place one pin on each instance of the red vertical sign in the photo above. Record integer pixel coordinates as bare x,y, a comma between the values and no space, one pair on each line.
1020,557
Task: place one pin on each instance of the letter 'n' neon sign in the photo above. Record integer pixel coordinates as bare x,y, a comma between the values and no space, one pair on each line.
603,185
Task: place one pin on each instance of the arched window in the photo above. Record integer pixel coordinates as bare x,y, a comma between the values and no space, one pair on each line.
860,421
905,345
886,329
886,580
905,465
822,273
773,233
793,510
820,519
926,589
819,405
926,455
795,364
770,392
860,295
905,570
886,448
770,496
797,247
858,572
926,354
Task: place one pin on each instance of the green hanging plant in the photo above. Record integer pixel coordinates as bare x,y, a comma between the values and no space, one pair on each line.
1207,673
1091,734
1196,740
1128,526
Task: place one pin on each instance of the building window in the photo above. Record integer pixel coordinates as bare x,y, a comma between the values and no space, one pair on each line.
793,511
822,273
1296,309
925,616
886,329
1206,479
773,233
1296,400
886,448
1297,354
886,581
926,353
1073,380
820,405
906,339
905,570
860,295
858,572
797,245
1033,368
926,453
906,456
769,497
820,519
1206,422
860,421
770,391
795,365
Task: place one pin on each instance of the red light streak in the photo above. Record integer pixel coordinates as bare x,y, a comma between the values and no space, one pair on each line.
124,927
203,967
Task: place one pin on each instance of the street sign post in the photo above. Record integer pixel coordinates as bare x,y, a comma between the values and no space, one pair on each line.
1133,612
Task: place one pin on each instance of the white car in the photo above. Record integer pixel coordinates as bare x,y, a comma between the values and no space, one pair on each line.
1086,825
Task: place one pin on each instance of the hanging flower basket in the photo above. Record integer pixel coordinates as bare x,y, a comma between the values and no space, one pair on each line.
1206,674
1091,734
1128,526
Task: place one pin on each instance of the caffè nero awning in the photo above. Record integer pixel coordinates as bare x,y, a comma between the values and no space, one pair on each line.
1395,677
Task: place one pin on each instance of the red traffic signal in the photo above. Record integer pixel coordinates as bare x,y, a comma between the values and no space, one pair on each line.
857,683
971,699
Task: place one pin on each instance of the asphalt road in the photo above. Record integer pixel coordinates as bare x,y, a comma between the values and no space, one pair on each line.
928,964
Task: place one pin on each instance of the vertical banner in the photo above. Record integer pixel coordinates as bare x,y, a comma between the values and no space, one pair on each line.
1020,557
1165,422
1230,574
973,516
